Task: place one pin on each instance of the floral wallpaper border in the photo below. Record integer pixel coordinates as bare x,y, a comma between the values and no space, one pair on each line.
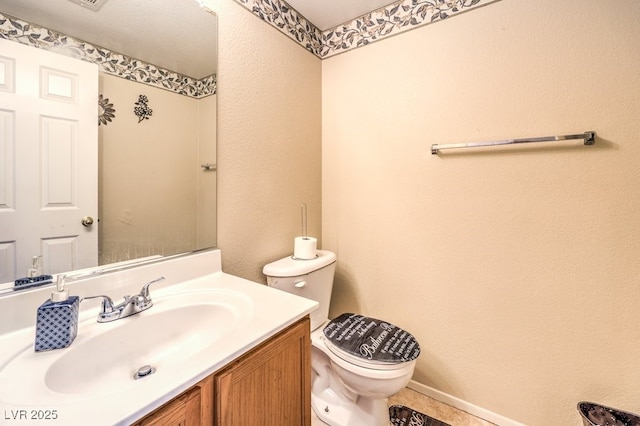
399,16
387,21
287,20
110,62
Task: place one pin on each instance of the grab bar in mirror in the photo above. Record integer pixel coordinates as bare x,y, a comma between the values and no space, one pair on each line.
588,137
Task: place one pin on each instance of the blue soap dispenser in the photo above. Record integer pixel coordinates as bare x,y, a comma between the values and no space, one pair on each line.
57,319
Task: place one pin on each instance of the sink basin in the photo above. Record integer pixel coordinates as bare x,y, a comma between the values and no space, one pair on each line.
104,357
202,320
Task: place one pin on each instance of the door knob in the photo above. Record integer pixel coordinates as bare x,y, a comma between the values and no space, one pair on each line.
87,221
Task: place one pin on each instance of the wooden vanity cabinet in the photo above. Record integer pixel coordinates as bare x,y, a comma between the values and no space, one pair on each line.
194,407
270,385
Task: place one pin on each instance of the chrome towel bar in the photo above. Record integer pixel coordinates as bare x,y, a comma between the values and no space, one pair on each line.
588,137
209,166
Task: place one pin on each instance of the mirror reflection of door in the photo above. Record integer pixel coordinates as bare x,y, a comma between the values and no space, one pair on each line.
48,122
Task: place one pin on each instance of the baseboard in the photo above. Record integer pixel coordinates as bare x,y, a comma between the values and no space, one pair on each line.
462,405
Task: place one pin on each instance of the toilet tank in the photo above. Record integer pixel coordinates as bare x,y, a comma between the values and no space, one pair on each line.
312,279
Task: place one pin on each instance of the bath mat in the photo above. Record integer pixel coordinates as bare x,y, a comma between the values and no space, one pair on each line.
405,416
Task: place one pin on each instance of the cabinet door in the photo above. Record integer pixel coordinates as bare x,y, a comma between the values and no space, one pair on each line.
192,408
270,385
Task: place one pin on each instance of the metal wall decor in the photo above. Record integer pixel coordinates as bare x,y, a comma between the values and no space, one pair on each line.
142,110
106,112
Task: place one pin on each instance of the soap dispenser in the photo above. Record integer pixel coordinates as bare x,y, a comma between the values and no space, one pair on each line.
57,319
36,267
34,277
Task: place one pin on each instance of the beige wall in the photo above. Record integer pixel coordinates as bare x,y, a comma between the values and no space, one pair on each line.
517,269
148,173
269,141
206,233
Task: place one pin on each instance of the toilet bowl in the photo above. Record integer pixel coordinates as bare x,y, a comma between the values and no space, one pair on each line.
352,393
357,362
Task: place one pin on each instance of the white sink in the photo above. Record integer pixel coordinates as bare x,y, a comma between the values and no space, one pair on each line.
105,356
202,320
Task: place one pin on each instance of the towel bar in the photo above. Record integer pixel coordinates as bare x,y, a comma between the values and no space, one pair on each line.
588,137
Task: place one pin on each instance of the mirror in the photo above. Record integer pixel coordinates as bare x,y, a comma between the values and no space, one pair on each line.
156,122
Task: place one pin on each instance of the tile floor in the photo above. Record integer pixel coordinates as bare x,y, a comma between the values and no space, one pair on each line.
430,407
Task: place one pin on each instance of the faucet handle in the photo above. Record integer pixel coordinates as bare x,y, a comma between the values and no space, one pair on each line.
107,309
107,303
145,288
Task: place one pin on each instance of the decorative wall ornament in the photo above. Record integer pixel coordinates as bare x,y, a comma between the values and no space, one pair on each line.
106,112
390,20
114,63
142,110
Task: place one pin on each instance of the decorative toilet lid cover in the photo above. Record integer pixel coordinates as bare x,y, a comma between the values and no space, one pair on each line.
371,339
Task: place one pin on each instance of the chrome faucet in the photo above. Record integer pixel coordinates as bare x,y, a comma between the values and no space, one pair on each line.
131,305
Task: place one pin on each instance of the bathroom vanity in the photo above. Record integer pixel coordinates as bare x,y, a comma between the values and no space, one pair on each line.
223,351
268,385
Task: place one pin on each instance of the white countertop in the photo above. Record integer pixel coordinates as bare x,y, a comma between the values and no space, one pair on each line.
270,311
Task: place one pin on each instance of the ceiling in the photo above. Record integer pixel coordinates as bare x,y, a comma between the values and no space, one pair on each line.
135,29
326,14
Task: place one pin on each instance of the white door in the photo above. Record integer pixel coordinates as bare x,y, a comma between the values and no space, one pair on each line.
48,161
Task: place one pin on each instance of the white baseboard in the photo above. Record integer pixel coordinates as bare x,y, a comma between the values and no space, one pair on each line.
462,405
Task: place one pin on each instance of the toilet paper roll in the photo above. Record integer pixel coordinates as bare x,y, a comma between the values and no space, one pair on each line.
305,248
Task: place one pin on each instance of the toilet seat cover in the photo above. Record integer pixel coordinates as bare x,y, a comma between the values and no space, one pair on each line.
371,339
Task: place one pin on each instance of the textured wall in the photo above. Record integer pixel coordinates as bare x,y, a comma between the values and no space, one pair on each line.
269,141
516,268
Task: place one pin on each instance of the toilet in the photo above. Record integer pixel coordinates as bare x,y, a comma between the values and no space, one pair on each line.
357,362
